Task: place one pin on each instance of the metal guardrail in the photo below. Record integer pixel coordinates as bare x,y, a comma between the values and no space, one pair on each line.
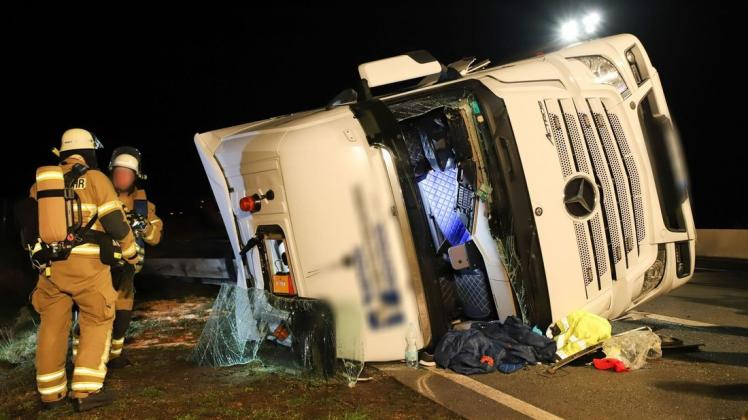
722,243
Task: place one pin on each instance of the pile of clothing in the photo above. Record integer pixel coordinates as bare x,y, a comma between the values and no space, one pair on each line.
578,331
509,346
488,346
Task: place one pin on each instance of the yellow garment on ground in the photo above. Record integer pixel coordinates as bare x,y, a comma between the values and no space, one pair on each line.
578,331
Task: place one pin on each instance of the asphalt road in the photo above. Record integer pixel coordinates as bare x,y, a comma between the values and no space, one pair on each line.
713,383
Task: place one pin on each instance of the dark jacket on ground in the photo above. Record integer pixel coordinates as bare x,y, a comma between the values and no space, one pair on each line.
508,345
520,343
464,351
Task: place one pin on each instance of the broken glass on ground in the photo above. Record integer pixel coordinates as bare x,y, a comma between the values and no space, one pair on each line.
253,326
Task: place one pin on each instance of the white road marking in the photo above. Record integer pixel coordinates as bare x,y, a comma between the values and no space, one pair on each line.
636,315
493,394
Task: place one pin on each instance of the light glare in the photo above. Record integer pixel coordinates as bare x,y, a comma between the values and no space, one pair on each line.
580,27
570,31
591,21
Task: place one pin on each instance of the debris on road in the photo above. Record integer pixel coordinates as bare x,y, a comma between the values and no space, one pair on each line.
488,346
586,352
253,326
633,349
610,363
578,331
672,345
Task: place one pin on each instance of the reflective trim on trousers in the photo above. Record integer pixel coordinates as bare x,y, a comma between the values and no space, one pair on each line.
49,377
86,386
53,389
90,372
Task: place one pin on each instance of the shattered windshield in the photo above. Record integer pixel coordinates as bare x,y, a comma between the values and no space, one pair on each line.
253,325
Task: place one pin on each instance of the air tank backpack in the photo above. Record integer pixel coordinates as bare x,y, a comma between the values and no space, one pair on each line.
60,219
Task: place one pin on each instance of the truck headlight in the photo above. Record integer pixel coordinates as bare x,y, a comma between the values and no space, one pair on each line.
654,274
605,72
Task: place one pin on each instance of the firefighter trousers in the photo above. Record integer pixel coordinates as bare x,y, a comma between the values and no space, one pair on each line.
123,279
86,282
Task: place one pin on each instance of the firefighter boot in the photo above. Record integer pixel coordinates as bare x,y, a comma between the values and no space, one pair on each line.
95,400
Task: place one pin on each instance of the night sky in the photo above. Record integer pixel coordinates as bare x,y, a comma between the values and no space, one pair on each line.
152,78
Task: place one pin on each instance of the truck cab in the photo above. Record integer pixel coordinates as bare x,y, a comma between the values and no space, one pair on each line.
533,189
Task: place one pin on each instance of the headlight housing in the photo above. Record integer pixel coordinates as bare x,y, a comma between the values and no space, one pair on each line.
605,73
655,273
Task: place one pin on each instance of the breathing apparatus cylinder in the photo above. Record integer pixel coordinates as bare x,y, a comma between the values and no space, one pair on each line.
52,206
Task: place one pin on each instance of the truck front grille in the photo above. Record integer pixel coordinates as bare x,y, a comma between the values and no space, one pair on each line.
633,175
596,225
590,140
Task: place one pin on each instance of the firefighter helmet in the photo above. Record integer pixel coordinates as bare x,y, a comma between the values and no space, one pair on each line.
127,157
78,138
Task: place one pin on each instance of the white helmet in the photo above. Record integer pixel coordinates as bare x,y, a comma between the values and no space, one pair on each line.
127,157
78,138
126,161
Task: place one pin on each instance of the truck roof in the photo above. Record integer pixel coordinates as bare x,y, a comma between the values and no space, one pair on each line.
532,69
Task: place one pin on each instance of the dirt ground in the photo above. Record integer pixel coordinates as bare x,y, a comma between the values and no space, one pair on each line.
163,383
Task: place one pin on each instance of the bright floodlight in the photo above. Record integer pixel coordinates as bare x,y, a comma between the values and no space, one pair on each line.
591,21
570,31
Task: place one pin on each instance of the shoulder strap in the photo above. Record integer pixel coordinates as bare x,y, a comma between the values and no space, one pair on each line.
140,203
140,194
141,207
81,233
77,171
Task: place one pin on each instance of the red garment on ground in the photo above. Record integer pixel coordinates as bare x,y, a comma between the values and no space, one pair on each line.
487,360
608,363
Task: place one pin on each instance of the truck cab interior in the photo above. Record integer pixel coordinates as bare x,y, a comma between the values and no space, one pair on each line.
442,134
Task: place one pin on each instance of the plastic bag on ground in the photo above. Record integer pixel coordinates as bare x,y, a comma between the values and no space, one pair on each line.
634,348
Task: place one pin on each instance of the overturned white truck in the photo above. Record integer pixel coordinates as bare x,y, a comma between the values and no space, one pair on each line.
534,188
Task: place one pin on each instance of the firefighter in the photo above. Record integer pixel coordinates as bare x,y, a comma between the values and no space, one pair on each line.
125,167
82,231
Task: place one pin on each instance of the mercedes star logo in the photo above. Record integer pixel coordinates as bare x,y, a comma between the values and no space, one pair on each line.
580,196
